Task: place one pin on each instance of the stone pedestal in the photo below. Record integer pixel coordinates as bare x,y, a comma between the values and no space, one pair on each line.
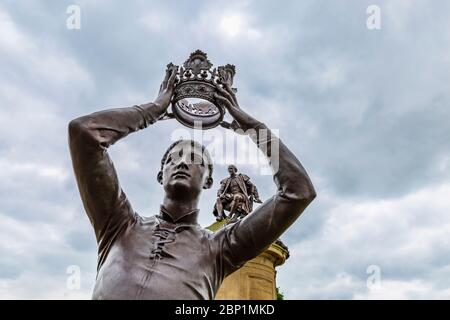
256,280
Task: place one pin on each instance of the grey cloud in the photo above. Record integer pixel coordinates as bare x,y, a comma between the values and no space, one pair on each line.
365,111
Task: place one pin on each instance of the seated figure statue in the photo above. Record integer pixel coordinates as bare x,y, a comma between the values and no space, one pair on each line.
236,195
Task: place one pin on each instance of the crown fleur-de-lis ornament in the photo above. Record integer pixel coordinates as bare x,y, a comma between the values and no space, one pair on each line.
193,102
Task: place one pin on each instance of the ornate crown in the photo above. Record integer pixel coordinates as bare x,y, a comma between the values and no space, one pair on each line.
197,79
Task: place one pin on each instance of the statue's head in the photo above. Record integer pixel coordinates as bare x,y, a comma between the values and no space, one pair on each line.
186,169
232,169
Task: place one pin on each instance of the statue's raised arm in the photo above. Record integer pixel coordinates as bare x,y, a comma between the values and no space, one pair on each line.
247,238
90,136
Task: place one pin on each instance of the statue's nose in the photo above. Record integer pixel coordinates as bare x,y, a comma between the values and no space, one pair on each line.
182,162
182,165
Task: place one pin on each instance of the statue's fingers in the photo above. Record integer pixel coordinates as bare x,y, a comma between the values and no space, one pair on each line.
236,127
231,92
225,125
224,93
166,77
173,76
225,101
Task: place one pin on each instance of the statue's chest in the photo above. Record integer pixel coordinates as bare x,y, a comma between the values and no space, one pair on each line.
234,185
164,243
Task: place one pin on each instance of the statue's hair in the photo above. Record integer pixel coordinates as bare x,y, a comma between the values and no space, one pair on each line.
205,153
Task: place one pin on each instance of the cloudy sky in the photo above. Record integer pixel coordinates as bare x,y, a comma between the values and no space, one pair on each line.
366,111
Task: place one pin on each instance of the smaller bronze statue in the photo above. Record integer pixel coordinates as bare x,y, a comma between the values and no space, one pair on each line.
236,195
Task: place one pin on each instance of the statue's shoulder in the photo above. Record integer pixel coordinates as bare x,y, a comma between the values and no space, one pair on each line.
206,232
223,181
244,176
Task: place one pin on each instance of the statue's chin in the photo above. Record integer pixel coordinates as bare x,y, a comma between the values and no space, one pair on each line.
181,188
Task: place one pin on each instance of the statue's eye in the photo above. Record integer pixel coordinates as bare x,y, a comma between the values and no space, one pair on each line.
197,159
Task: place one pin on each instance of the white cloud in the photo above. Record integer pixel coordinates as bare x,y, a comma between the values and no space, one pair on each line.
236,24
32,285
52,65
403,236
11,38
11,170
156,21
27,237
401,290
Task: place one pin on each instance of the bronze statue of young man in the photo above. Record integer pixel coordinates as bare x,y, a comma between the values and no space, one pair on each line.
236,195
169,256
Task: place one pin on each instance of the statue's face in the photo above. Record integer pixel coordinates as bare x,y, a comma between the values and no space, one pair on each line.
185,172
232,170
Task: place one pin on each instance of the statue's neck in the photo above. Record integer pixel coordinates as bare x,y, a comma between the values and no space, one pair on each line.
181,209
